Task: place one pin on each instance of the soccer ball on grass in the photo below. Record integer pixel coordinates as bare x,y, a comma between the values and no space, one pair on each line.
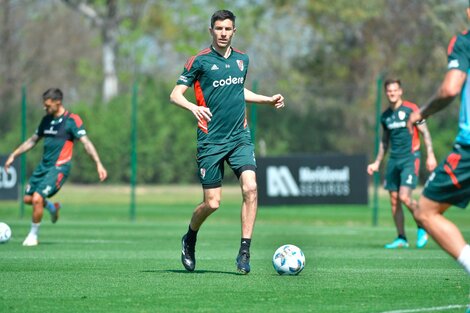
5,232
288,260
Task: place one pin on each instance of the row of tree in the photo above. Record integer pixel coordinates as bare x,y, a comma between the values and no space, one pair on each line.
324,56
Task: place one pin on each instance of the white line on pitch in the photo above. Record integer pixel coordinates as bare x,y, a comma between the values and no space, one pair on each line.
436,308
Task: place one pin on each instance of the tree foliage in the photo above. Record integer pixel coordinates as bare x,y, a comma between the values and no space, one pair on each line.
324,56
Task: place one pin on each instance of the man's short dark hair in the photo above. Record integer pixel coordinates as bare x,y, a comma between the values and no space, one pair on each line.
53,94
222,15
390,81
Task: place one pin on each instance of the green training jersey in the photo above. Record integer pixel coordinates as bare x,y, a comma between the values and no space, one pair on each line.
219,85
59,135
402,143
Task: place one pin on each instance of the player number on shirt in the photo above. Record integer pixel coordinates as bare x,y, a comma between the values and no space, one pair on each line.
410,179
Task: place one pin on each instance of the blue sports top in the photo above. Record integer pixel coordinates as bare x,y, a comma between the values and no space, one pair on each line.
459,58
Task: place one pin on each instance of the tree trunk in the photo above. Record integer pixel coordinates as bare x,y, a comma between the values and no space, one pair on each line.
108,25
110,80
109,36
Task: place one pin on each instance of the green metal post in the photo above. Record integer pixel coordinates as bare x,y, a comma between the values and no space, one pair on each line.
253,115
378,109
132,210
23,156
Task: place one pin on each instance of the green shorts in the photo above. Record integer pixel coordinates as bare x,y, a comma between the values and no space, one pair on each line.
402,172
240,156
47,181
450,181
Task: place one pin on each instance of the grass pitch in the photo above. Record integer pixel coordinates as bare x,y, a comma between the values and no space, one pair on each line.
95,260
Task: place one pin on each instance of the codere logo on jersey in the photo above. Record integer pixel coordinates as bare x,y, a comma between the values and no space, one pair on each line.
228,81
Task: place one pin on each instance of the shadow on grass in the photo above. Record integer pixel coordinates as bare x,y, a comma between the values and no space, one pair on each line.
196,272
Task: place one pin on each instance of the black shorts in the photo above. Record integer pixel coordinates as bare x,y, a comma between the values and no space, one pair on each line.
240,156
47,181
402,172
450,181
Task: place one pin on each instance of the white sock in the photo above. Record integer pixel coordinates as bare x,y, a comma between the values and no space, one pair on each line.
34,229
464,258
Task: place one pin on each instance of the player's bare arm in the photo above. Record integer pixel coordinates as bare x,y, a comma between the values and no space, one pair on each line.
383,147
177,97
90,149
431,162
449,89
276,100
25,146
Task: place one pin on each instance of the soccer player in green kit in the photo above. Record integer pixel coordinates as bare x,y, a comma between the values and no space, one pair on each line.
60,129
218,74
403,165
450,183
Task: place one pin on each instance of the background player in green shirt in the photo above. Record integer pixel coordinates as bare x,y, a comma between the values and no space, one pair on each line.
218,74
60,129
403,164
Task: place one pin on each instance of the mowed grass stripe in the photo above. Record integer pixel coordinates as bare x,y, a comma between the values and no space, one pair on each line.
95,260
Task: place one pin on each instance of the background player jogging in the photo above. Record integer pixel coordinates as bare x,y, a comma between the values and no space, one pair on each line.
403,164
218,74
60,129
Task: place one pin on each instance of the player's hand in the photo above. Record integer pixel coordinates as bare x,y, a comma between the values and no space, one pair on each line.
431,163
8,162
373,167
414,117
202,113
277,101
102,173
